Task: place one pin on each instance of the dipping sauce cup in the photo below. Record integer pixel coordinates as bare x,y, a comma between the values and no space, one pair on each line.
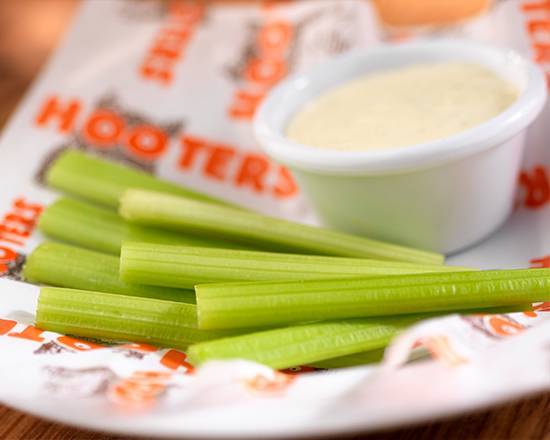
442,195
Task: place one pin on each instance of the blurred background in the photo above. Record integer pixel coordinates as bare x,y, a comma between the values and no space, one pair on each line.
31,29
29,32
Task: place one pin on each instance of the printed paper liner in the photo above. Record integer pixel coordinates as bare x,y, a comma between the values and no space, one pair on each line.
170,88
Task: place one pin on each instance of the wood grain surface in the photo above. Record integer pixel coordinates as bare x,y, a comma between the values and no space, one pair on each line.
29,31
527,419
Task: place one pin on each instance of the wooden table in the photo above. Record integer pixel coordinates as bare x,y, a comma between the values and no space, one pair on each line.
30,31
528,419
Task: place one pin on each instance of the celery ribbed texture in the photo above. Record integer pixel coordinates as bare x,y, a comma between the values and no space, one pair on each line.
352,360
104,181
177,213
303,344
277,303
116,317
184,266
101,229
62,265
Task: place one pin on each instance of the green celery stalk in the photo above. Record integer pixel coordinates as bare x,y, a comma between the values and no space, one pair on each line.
352,360
101,229
177,213
83,224
263,303
115,317
184,266
104,181
376,356
302,344
68,266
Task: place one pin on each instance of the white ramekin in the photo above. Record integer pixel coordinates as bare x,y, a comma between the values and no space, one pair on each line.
442,195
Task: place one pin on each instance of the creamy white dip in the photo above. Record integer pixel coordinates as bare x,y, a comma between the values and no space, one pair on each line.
402,107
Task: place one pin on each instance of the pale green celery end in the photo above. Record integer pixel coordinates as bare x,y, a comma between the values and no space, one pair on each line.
100,229
62,265
104,181
303,344
184,266
280,303
151,208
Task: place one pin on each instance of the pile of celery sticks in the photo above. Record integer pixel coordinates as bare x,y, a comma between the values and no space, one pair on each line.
139,259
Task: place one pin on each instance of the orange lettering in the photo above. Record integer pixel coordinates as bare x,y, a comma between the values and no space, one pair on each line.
77,344
103,128
53,109
150,71
502,326
538,26
244,105
537,187
6,325
30,333
265,71
168,47
191,146
528,7
174,359
147,142
543,307
542,52
9,239
139,347
23,205
252,172
14,231
274,37
190,12
218,160
540,262
19,219
286,186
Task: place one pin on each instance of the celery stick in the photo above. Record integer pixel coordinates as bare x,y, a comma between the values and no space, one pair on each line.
156,209
274,303
184,266
101,229
115,317
85,225
104,181
352,360
376,356
303,344
68,266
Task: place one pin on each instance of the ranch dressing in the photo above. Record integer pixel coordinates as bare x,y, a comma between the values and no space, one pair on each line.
401,107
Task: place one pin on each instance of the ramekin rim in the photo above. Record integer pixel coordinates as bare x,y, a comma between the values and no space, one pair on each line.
479,138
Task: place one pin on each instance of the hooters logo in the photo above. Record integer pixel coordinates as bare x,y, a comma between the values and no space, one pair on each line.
123,135
277,46
109,129
267,66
